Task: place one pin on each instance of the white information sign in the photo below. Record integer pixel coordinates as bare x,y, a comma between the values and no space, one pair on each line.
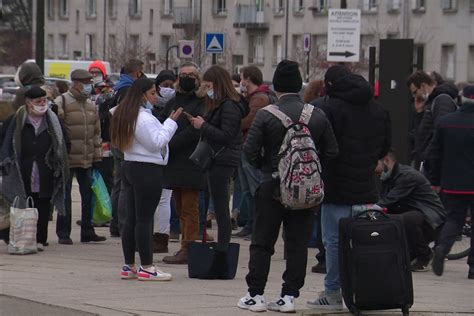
343,35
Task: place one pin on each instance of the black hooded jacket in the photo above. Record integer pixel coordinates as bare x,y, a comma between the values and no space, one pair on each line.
363,133
440,102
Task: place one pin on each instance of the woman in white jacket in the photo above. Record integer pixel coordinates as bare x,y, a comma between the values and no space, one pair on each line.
144,142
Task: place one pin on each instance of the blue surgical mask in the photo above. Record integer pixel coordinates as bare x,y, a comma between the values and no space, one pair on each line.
210,94
87,90
148,105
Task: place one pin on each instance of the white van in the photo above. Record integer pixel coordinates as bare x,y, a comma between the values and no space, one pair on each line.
60,68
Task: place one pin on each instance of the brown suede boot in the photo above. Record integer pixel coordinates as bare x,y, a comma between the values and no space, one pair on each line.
160,243
181,257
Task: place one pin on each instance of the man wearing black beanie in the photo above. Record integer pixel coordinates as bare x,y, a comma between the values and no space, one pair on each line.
263,143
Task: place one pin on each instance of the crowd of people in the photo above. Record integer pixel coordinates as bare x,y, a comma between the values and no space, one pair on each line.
169,148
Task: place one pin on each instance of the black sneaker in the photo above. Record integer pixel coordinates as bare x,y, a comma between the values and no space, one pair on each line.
470,275
92,238
438,262
65,241
320,267
244,232
421,264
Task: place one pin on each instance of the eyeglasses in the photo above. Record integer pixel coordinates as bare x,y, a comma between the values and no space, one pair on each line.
191,75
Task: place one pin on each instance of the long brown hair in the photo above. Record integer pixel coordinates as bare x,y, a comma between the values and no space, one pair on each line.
313,90
124,119
222,86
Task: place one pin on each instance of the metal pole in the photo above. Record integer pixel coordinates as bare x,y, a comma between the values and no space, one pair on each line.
200,34
286,27
372,65
307,67
104,57
39,53
214,59
168,55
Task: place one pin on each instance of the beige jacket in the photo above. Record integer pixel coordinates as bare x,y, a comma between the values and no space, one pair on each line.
82,124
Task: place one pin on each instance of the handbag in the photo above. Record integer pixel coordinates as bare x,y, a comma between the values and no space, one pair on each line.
203,155
23,223
205,262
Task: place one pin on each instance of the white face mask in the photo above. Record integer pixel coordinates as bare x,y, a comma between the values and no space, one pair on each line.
167,93
98,79
39,109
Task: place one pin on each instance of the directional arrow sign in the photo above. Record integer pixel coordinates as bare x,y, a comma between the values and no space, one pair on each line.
343,35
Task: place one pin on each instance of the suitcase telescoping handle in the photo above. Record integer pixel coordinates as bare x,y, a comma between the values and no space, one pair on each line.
371,214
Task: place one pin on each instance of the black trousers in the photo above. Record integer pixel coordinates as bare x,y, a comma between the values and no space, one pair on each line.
321,255
419,233
458,206
218,179
297,224
43,206
118,213
141,185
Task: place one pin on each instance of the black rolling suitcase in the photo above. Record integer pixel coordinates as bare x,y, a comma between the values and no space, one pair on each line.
374,263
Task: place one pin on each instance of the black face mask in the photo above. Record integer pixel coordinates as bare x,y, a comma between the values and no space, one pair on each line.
187,84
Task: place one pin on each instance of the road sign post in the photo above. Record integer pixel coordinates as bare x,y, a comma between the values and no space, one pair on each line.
343,35
307,50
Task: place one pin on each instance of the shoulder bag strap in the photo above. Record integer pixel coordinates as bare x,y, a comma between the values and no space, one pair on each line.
306,113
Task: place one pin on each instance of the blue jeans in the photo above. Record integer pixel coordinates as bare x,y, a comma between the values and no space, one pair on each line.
330,216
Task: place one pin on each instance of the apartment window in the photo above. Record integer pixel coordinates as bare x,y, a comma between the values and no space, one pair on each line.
220,7
135,8
297,46
50,9
448,61
63,8
91,8
279,7
368,5
256,50
237,63
50,45
394,5
63,46
470,72
471,5
320,43
90,46
135,41
320,6
167,7
298,6
418,5
112,8
417,47
77,22
164,44
150,23
365,42
77,55
277,49
449,5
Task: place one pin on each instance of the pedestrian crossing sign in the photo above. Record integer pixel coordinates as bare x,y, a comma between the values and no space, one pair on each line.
214,42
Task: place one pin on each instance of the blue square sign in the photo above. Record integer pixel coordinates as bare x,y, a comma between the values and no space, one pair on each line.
214,42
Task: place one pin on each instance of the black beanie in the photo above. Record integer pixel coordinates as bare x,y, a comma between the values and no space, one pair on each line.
334,73
165,75
35,92
287,77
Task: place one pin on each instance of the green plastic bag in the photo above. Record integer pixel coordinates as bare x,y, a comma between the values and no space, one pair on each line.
101,203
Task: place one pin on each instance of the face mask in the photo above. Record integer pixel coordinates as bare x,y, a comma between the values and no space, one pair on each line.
167,94
385,173
187,84
148,105
243,88
86,90
425,96
39,110
210,94
98,79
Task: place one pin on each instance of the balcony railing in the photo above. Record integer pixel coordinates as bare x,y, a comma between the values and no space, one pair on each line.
248,16
185,16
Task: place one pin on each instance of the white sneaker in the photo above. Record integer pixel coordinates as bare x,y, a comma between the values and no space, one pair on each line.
153,274
285,304
326,301
40,246
253,304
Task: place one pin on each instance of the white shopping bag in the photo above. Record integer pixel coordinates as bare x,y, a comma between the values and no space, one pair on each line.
23,223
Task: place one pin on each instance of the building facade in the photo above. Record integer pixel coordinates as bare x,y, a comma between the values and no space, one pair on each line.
259,32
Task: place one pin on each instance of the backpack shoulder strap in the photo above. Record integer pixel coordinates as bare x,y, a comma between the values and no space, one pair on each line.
275,111
306,113
437,97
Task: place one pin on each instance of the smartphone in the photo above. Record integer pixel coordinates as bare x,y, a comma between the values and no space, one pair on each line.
187,114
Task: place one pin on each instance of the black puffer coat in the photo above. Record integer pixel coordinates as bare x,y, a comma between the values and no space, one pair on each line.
267,132
363,133
440,102
222,131
408,190
180,171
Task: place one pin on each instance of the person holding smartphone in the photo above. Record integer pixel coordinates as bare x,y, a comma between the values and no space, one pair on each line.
220,128
144,142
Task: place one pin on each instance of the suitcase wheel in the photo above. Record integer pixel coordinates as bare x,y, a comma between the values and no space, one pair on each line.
406,310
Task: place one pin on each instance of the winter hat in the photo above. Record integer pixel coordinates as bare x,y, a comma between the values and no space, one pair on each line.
335,73
165,75
467,96
29,74
287,77
81,74
35,92
99,65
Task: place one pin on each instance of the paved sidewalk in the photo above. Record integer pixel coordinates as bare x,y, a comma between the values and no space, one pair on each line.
83,279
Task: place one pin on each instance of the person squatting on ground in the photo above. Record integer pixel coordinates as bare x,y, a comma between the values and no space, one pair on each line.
261,148
82,123
181,174
144,142
407,192
220,128
34,155
452,159
363,132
